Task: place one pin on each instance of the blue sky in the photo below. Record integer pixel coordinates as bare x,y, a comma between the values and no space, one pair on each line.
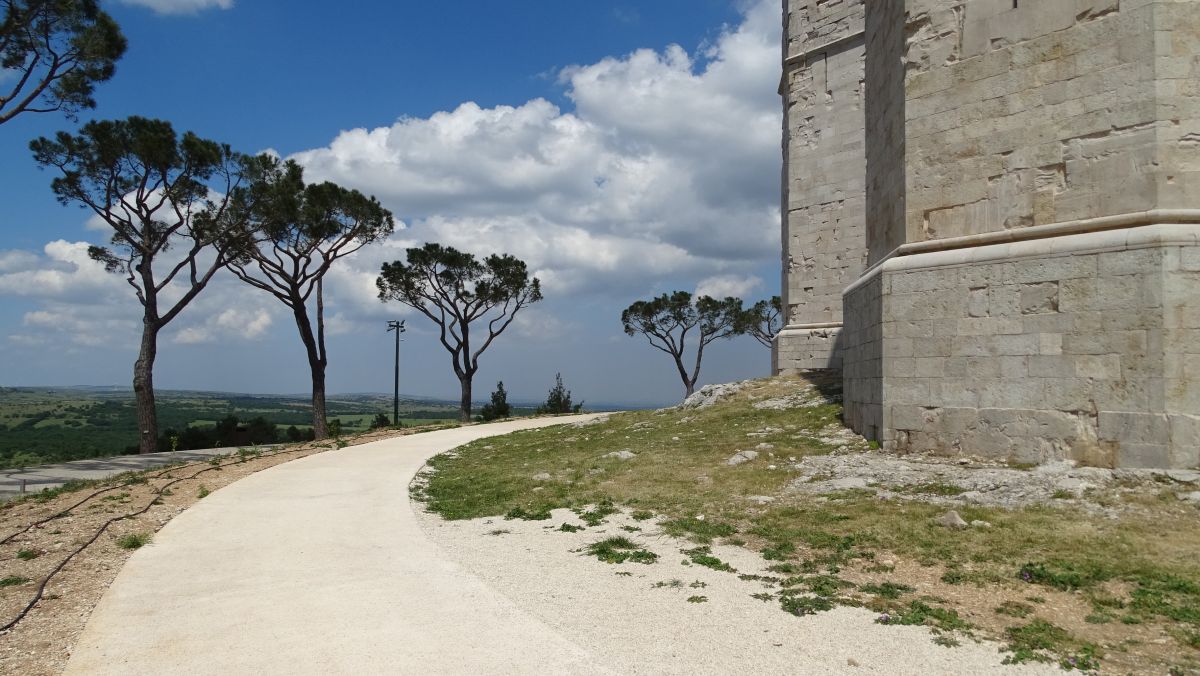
622,149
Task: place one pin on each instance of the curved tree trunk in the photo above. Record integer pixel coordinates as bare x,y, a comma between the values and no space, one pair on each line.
465,406
316,365
143,388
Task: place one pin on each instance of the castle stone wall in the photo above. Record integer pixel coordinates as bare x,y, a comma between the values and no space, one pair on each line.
824,238
1028,199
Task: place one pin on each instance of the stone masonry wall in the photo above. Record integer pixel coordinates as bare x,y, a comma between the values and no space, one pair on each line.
1034,353
1029,112
824,178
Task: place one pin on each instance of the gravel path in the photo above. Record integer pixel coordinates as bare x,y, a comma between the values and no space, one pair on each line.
324,566
643,622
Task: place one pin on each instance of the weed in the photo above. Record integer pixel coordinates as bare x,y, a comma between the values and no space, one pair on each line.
1061,494
697,599
805,605
946,641
215,461
698,585
1036,641
919,612
1014,609
538,514
117,497
673,584
886,590
499,531
642,515
596,515
702,556
1035,599
698,530
630,529
568,528
27,554
784,568
763,596
779,551
1098,618
619,550
13,580
133,540
1064,575
624,573
954,576
203,492
825,585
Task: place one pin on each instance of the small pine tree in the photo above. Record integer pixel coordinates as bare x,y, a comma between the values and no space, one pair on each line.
559,399
499,408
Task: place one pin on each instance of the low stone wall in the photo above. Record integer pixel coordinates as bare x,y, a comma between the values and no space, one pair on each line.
1081,346
798,349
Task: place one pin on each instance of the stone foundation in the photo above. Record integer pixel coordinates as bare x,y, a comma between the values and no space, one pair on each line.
800,349
1082,347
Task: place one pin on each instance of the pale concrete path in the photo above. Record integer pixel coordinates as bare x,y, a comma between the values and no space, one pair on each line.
317,566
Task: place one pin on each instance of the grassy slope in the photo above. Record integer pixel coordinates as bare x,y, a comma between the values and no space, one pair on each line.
1128,587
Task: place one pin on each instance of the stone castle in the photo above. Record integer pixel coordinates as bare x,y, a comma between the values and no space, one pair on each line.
991,223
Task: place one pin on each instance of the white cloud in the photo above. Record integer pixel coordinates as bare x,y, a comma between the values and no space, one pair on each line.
722,286
668,168
179,6
665,172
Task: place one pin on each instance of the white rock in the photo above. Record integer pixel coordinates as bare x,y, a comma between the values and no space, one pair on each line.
846,484
761,499
741,457
952,520
1193,497
542,477
980,524
621,455
765,447
1184,476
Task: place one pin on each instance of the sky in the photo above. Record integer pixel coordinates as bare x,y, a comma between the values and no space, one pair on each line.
622,149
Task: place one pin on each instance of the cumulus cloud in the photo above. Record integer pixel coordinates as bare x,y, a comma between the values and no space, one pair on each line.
667,169
722,286
179,6
663,171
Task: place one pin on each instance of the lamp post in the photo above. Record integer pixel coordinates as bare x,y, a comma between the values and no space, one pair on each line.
398,327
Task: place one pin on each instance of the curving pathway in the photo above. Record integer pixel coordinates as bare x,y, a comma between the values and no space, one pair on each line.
317,566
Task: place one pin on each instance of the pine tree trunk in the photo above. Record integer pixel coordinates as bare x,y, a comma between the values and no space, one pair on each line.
465,410
320,422
143,389
316,365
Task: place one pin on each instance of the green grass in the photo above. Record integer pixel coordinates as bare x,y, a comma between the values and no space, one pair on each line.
619,550
698,530
133,540
27,554
13,581
702,556
886,590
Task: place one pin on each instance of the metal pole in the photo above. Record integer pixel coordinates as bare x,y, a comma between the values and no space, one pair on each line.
398,327
396,387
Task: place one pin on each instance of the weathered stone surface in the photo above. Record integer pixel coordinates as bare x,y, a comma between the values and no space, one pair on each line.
951,520
741,457
938,122
621,455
